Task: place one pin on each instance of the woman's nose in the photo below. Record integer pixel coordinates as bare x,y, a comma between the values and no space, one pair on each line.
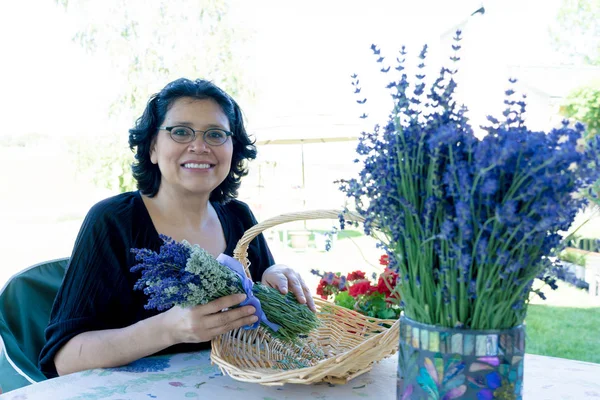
199,145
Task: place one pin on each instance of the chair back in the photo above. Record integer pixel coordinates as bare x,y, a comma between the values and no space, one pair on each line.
25,305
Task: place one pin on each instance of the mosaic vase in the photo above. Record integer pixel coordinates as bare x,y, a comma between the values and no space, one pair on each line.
444,363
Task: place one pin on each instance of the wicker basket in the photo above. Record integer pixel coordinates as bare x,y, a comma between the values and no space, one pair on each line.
345,345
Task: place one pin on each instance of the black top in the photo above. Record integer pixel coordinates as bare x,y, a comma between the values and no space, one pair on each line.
97,291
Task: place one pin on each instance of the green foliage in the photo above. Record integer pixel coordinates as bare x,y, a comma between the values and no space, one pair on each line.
343,299
341,234
348,233
106,161
583,104
573,258
388,313
576,32
372,305
376,306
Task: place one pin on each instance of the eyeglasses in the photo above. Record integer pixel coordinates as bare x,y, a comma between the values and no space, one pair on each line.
185,134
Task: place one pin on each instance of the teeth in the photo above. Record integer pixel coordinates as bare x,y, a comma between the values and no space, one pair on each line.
200,166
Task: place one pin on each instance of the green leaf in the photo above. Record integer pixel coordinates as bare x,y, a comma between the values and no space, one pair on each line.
388,313
343,299
379,302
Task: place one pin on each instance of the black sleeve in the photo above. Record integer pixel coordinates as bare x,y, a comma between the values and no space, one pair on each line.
96,292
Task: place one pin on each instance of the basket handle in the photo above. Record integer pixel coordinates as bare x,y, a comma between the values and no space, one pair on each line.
241,250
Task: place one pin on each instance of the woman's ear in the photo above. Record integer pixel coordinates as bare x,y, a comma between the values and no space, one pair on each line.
153,155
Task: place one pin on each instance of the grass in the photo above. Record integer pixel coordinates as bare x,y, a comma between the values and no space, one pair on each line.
573,258
342,234
564,332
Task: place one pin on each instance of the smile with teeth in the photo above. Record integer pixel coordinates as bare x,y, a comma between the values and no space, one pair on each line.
197,166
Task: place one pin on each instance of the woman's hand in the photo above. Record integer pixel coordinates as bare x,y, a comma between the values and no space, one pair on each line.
284,278
203,323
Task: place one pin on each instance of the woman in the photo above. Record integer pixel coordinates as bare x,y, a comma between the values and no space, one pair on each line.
191,151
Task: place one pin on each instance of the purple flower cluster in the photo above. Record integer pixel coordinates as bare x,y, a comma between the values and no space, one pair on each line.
164,278
469,223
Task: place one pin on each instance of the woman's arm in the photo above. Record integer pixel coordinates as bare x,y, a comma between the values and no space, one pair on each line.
112,347
116,347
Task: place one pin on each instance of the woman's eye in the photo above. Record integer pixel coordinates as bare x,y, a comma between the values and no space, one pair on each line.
180,132
215,134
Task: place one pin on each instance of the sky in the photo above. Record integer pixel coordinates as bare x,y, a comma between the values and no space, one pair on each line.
325,45
304,54
50,84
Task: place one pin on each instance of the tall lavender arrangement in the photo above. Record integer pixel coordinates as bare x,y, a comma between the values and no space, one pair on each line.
467,223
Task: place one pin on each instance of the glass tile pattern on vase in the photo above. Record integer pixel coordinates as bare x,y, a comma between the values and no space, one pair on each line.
453,363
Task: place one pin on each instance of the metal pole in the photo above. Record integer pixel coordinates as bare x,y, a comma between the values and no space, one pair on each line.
303,181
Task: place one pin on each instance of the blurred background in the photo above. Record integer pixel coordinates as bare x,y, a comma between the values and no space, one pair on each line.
75,75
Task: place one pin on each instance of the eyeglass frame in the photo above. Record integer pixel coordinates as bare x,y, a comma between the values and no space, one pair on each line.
194,137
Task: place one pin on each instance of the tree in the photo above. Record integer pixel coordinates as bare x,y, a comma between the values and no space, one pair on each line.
577,30
150,43
583,105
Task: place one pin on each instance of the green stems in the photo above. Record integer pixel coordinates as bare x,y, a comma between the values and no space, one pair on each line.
294,319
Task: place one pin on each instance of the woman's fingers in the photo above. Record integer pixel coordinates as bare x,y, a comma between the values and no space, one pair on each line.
309,299
222,303
228,320
300,289
218,319
204,322
277,280
295,285
286,279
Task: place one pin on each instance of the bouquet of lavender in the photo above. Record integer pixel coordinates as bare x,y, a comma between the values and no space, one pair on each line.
468,223
186,275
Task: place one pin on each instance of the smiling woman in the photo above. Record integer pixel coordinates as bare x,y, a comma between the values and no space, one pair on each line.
191,150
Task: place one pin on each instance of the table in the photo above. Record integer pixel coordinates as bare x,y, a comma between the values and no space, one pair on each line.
191,376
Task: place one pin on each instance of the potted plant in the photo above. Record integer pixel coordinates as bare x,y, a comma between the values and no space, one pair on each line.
468,224
355,291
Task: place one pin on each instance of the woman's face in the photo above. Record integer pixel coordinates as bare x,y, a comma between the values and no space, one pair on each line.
194,167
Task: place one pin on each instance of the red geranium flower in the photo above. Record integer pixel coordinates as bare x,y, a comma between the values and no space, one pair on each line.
384,260
320,289
356,275
360,287
387,281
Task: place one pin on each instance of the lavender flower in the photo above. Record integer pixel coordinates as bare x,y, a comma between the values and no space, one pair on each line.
215,281
468,221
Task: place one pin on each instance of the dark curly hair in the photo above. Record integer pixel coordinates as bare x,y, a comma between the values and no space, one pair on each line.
142,135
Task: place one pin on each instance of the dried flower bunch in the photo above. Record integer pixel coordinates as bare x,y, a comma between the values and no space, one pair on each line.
186,275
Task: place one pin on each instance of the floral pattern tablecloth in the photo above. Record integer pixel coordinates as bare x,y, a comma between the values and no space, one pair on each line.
191,376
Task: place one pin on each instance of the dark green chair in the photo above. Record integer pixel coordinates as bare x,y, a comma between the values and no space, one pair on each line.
25,305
